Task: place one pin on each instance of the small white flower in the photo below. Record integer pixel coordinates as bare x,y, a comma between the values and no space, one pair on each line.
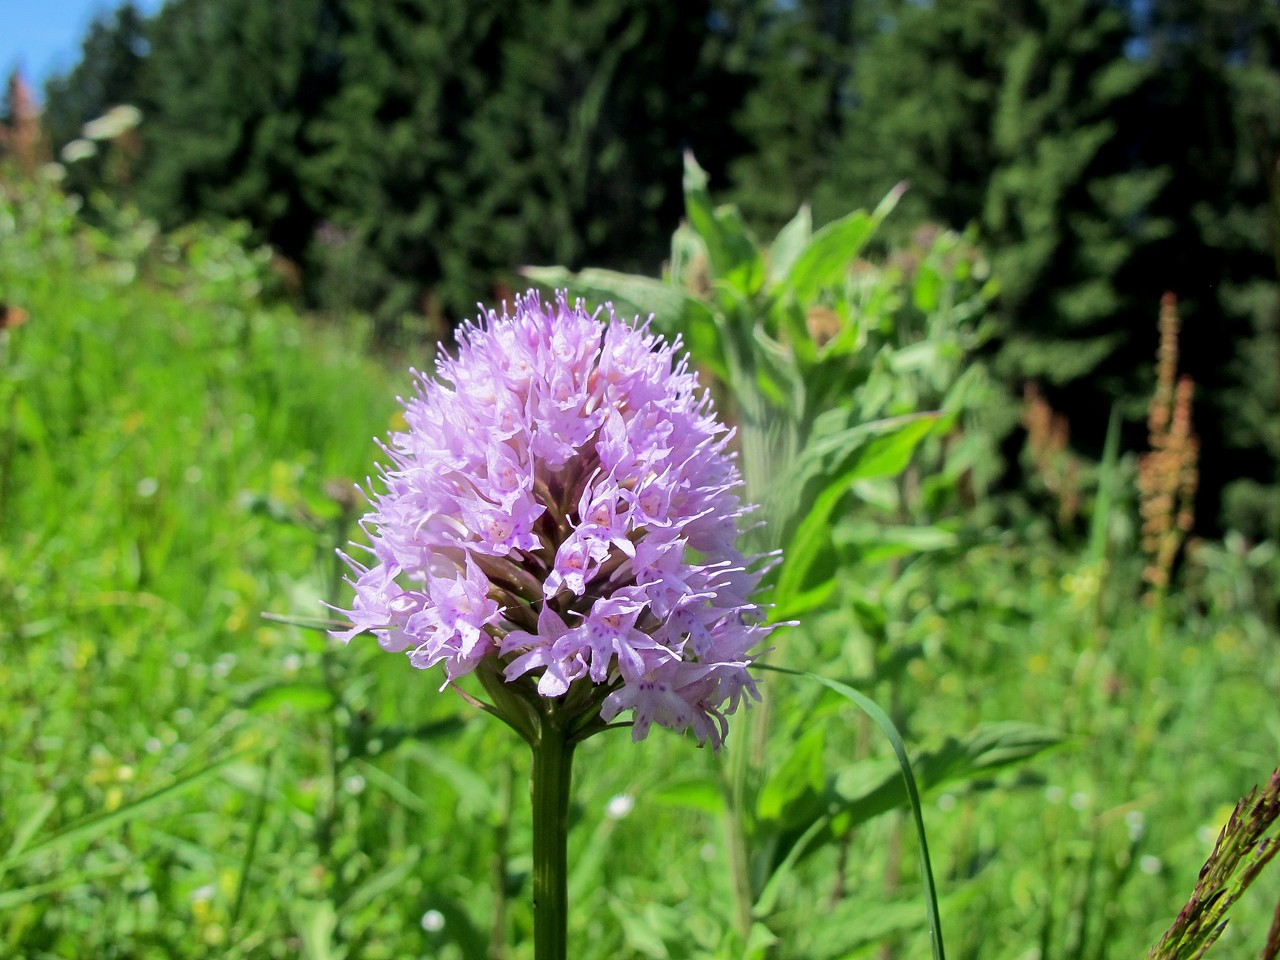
433,921
78,149
619,806
111,124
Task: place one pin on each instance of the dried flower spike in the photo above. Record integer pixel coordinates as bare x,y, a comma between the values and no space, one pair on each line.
562,513
1168,475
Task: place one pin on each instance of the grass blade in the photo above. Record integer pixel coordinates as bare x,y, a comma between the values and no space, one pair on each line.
99,823
871,709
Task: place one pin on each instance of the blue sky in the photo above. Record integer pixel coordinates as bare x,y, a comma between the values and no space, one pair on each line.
44,35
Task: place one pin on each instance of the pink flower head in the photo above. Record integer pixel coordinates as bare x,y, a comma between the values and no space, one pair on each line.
564,506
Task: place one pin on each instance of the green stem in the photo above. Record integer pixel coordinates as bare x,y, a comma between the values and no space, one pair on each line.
552,771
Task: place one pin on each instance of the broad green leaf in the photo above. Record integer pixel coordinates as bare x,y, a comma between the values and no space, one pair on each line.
702,794
317,921
804,548
874,543
651,929
9,899
734,256
465,782
853,926
300,697
987,748
1108,475
826,259
864,452
801,772
789,319
31,823
776,375
926,292
384,884
392,787
880,448
789,243
630,293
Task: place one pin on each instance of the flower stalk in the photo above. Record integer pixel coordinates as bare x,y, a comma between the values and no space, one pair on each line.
552,775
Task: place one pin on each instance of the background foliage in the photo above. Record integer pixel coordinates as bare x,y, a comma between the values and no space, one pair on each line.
177,448
408,156
184,779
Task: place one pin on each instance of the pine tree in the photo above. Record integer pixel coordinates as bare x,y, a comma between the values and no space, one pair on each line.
800,57
1215,119
469,138
228,90
1016,116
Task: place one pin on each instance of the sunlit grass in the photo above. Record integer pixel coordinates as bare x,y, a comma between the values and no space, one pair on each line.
181,778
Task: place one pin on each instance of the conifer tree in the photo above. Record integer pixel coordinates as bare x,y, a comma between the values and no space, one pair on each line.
1215,119
1015,115
228,90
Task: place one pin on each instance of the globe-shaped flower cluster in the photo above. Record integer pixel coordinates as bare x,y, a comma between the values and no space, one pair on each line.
563,507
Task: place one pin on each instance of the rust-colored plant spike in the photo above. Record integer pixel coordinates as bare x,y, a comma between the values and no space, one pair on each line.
23,137
1242,850
1048,434
1168,474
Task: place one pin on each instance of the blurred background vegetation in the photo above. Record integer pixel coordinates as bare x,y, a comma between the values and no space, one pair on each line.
405,157
1032,405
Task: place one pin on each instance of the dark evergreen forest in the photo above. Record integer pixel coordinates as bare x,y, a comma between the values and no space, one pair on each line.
407,157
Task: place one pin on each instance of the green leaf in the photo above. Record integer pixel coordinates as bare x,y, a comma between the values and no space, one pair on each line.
317,921
30,824
874,542
984,750
801,772
702,794
629,292
788,244
465,782
1104,503
300,697
733,254
927,291
99,823
383,884
881,719
860,453
825,261
864,451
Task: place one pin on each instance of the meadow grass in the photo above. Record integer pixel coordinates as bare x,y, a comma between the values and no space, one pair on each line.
181,778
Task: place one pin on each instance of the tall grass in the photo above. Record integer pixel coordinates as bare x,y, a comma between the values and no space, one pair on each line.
181,778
